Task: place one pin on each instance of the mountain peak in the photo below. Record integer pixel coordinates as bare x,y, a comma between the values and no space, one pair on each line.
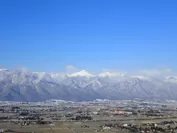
82,73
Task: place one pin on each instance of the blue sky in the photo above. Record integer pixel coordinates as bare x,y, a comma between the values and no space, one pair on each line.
88,34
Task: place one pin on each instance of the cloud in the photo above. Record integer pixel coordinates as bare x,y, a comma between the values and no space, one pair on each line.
70,68
21,68
156,72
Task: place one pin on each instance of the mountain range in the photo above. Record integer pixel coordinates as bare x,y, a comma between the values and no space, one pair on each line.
16,85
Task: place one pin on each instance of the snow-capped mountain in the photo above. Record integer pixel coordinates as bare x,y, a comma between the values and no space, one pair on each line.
82,73
171,79
83,86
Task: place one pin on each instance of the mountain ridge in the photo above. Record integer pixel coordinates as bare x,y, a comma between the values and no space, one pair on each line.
83,86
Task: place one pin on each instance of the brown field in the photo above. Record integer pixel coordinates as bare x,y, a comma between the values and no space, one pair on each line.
69,127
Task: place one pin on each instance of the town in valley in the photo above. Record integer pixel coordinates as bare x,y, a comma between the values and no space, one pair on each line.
108,116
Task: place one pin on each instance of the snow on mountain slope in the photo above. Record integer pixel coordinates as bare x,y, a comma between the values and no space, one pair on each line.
171,79
141,77
83,86
82,73
95,85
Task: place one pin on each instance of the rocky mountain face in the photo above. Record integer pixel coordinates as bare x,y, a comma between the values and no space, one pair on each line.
83,86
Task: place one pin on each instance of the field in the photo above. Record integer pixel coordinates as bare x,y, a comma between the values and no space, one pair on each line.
60,127
70,127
